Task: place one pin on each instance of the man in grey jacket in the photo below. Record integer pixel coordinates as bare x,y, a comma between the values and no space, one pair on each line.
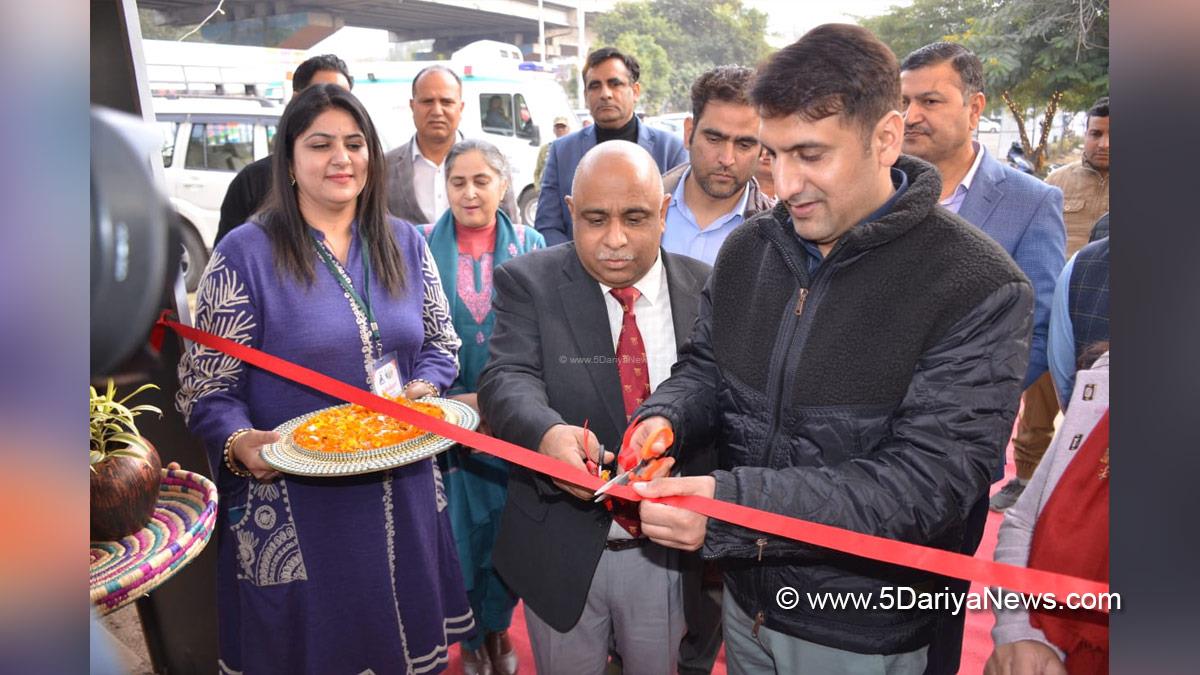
416,169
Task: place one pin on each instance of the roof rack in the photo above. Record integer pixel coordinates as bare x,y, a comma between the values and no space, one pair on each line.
264,101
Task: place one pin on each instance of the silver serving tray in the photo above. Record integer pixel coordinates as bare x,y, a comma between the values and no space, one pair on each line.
288,457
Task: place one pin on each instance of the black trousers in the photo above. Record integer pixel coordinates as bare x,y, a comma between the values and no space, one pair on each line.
945,651
702,613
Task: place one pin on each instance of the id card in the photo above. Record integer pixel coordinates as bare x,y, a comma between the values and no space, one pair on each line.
385,376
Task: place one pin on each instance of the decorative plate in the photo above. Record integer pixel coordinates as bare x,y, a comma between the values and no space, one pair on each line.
288,457
125,570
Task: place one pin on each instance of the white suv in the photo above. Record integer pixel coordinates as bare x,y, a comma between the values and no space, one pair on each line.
206,141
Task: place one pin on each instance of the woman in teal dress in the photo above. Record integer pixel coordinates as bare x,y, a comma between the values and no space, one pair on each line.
471,238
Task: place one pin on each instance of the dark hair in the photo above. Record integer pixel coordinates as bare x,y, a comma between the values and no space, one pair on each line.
435,69
1090,354
291,242
833,69
307,70
1099,108
966,64
730,84
605,53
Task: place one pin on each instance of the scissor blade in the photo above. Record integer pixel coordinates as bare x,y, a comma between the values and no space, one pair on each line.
620,479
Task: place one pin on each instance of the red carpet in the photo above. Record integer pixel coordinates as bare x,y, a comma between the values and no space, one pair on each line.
977,640
977,636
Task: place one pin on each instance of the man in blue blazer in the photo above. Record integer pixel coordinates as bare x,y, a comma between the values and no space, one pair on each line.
612,89
941,87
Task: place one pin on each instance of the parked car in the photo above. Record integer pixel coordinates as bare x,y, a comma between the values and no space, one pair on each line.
988,125
206,141
671,123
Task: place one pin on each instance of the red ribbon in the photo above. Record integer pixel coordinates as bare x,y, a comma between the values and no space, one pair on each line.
986,572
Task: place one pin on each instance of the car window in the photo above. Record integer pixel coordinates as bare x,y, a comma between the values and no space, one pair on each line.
524,118
496,112
168,129
220,146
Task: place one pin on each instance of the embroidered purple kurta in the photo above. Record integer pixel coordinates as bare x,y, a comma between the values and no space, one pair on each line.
324,575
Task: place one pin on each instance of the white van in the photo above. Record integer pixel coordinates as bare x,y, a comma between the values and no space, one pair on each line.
206,141
507,103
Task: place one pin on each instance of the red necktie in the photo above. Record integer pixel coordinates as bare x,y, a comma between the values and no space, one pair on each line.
635,388
631,353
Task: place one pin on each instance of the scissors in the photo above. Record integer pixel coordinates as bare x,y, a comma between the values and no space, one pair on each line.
647,467
592,467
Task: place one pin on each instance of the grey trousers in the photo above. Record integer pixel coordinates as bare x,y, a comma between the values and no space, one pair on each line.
634,601
775,652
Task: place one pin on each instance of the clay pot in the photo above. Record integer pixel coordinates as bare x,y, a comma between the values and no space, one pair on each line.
124,492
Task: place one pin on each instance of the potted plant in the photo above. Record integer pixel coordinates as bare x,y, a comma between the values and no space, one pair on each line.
126,470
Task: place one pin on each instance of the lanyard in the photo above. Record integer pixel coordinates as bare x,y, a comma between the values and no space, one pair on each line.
363,301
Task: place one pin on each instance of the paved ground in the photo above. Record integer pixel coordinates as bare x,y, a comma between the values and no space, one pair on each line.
125,628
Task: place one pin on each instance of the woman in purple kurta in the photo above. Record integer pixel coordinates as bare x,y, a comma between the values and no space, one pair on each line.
324,575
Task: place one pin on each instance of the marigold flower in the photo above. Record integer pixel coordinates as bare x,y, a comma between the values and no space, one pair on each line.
352,428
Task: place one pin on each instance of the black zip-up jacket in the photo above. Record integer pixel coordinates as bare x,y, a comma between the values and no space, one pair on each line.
875,396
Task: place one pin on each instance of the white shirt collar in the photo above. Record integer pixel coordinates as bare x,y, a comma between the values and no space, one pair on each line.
651,283
970,177
416,150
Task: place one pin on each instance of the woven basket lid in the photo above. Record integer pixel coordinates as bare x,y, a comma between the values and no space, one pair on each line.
124,570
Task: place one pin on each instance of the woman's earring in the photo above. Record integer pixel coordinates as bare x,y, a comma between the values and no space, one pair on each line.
292,176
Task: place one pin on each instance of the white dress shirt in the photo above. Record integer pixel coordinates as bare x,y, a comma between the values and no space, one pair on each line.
429,184
653,312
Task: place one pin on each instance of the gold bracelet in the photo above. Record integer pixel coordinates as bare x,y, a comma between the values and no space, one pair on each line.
423,381
231,463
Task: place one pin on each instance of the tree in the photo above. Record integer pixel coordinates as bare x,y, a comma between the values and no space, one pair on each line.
1036,54
694,36
1044,52
906,29
656,69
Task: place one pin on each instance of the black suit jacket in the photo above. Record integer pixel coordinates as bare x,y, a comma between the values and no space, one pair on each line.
245,194
549,314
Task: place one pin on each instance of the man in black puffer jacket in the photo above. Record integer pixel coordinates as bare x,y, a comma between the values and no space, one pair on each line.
858,359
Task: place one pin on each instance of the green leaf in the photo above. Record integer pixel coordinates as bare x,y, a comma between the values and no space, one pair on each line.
145,408
130,439
144,387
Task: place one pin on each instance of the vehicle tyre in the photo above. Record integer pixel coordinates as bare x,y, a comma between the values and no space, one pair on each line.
195,256
527,205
